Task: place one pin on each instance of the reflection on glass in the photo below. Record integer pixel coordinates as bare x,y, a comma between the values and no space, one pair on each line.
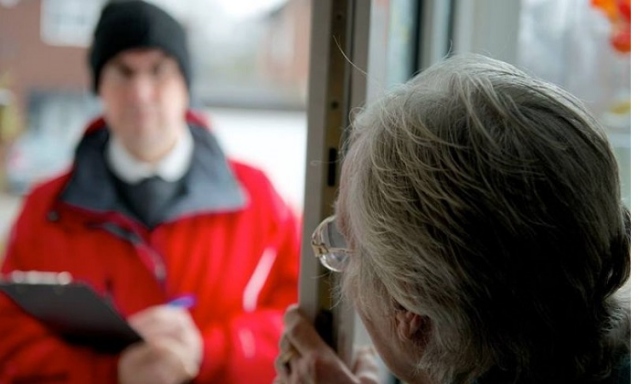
402,41
392,44
578,46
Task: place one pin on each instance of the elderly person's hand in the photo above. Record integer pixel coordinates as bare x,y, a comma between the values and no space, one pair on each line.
305,358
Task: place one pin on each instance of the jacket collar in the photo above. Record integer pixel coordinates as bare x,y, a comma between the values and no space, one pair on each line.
210,185
172,167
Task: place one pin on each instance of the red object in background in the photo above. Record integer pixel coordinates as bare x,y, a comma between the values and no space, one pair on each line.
621,41
619,13
625,9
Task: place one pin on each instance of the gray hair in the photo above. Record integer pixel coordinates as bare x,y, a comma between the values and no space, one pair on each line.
488,202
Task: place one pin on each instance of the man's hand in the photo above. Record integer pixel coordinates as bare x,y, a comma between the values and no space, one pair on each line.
153,363
171,352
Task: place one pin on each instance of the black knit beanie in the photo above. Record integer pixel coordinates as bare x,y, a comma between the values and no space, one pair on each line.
126,24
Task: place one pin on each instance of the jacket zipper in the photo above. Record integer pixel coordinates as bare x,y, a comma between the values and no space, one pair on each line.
132,237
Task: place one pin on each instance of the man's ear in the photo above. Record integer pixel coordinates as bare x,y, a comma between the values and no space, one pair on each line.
411,326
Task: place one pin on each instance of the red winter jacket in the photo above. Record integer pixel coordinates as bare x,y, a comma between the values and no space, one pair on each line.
230,240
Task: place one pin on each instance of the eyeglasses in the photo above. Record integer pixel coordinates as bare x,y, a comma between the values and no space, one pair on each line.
330,246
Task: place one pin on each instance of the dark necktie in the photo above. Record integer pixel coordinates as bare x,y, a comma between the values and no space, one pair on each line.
150,198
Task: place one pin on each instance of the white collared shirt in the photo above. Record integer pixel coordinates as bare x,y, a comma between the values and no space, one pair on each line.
170,168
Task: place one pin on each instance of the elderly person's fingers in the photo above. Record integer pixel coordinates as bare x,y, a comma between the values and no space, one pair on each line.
287,353
313,360
365,365
301,333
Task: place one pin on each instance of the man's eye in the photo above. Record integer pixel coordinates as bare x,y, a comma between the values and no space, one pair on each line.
123,72
161,68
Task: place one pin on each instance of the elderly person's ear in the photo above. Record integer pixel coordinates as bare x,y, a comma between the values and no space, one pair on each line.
411,326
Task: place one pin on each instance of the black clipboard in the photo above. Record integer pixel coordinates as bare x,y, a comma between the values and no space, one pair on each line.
76,312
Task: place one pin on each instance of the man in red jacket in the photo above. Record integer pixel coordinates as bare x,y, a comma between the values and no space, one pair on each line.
152,211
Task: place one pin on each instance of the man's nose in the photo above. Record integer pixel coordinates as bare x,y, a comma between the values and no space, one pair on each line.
141,89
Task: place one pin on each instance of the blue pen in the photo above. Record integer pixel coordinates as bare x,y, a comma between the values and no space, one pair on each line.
184,301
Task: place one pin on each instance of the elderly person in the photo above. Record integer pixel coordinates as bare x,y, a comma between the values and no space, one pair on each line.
486,241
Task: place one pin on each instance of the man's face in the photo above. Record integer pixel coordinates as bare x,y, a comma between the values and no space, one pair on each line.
145,98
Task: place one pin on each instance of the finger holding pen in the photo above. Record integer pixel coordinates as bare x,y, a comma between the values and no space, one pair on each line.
173,323
168,320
